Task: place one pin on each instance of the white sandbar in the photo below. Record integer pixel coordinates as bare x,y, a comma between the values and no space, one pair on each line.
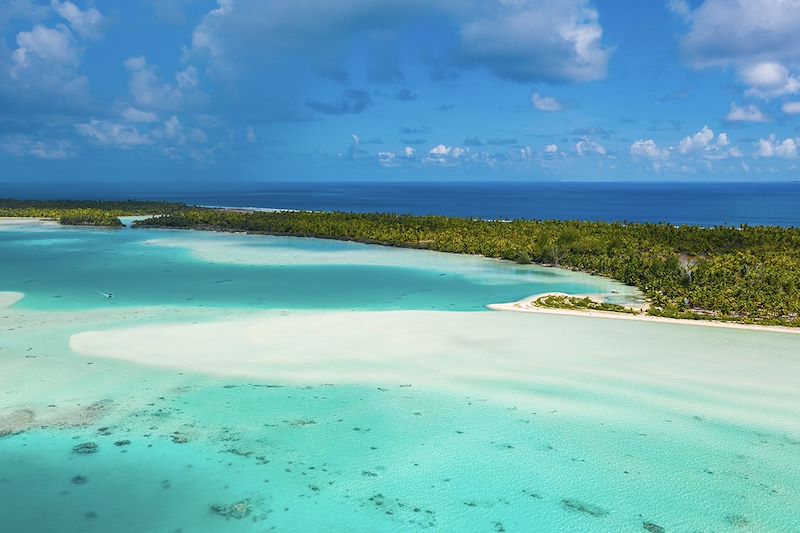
546,361
9,298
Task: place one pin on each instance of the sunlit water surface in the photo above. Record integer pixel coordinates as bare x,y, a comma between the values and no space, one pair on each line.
418,409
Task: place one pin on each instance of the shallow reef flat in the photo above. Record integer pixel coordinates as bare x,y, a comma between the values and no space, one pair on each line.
140,414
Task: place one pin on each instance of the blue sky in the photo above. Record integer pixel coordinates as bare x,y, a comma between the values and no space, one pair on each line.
247,90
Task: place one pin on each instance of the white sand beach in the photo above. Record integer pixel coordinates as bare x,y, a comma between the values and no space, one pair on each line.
528,305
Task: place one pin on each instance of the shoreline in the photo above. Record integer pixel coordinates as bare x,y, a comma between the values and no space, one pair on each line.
527,305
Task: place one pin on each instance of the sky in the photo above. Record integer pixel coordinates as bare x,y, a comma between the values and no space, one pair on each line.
229,91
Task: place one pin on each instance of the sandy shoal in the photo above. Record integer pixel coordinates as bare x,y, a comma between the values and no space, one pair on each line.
542,361
9,298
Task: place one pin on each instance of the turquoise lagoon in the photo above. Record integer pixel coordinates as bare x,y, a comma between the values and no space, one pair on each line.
244,383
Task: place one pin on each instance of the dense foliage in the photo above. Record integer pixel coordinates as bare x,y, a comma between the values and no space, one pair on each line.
747,274
92,213
558,301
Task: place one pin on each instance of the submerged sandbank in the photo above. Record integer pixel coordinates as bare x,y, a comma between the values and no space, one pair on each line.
9,298
550,362
528,305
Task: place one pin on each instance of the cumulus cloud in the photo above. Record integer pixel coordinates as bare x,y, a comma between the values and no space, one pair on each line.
551,149
53,46
535,40
769,80
526,40
444,155
545,103
43,69
352,101
746,113
647,149
703,143
113,134
742,32
87,23
791,108
701,147
773,147
758,38
387,159
150,93
586,147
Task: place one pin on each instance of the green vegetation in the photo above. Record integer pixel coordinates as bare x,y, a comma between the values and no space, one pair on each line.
555,301
85,213
748,274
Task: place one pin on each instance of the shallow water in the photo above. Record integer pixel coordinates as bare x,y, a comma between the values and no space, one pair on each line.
332,387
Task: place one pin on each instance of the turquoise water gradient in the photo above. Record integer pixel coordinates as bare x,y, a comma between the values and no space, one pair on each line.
67,269
653,440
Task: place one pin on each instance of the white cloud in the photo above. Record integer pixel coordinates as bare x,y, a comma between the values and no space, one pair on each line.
767,74
772,147
701,147
21,146
43,69
700,142
791,108
545,103
551,149
387,159
440,150
743,32
51,46
769,80
409,152
443,155
647,149
113,133
528,40
148,92
131,114
86,23
588,147
250,134
534,40
746,113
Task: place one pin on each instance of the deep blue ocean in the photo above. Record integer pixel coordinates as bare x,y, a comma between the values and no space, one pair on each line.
705,204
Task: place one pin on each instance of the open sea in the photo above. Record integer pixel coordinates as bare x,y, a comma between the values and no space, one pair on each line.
705,204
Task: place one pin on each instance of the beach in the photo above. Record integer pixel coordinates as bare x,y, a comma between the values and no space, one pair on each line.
528,305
